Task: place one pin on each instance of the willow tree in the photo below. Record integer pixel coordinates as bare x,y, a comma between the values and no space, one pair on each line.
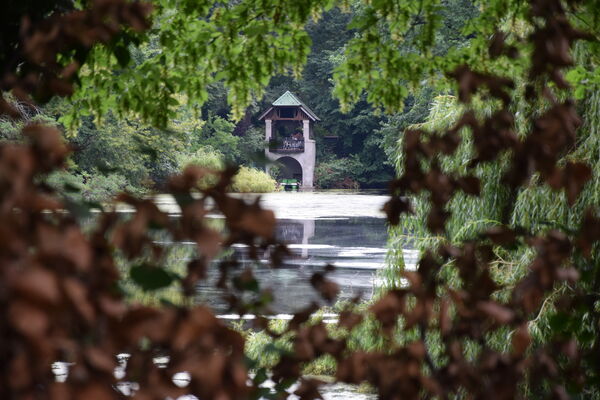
536,207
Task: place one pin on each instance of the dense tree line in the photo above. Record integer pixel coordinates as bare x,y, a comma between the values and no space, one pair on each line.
354,148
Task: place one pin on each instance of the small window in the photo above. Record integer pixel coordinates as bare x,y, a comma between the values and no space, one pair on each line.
287,112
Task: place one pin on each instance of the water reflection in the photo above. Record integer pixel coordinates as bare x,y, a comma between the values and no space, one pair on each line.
356,246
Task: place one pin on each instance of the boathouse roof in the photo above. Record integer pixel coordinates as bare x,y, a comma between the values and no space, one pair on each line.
288,99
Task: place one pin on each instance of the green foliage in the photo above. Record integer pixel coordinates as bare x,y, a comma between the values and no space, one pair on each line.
144,155
339,173
535,208
205,157
252,180
355,131
251,147
398,46
195,44
215,51
150,277
150,287
415,112
261,347
217,134
94,187
247,180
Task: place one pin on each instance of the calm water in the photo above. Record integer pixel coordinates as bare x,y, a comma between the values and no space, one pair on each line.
345,229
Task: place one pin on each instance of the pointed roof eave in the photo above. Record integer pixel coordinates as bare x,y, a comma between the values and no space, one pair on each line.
310,114
263,115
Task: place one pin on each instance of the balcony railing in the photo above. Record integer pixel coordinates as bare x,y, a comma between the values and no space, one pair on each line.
286,145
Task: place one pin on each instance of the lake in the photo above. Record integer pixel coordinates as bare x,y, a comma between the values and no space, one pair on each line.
344,228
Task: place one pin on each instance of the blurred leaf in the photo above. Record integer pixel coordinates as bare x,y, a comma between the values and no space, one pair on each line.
149,277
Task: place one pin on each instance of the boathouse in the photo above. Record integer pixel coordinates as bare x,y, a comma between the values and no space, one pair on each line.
289,134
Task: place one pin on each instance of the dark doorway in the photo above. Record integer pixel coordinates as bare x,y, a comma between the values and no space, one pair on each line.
290,168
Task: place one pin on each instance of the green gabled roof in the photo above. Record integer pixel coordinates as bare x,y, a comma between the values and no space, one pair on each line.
289,100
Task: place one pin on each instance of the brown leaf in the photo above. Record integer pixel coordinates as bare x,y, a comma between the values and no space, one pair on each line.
309,389
68,243
499,313
388,308
258,222
326,288
27,319
38,285
96,391
521,339
436,220
394,207
302,316
576,176
349,319
469,185
445,322
19,372
353,369
100,359
501,235
78,295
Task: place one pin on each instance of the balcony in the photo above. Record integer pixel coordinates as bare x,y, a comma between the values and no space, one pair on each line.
286,145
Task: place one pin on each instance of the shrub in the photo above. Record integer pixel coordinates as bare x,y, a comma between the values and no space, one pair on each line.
341,173
206,157
95,187
275,171
247,180
252,180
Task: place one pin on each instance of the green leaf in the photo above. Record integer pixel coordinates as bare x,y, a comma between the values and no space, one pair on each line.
246,284
559,322
149,277
260,377
255,30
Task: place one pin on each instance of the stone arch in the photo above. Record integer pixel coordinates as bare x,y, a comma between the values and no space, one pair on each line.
290,168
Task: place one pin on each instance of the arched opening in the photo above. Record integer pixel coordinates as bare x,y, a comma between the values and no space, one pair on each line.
290,169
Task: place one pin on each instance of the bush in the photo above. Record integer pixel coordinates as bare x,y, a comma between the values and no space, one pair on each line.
341,173
252,180
247,180
95,187
206,157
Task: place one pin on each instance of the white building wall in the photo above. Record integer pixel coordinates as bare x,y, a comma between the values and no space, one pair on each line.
307,159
